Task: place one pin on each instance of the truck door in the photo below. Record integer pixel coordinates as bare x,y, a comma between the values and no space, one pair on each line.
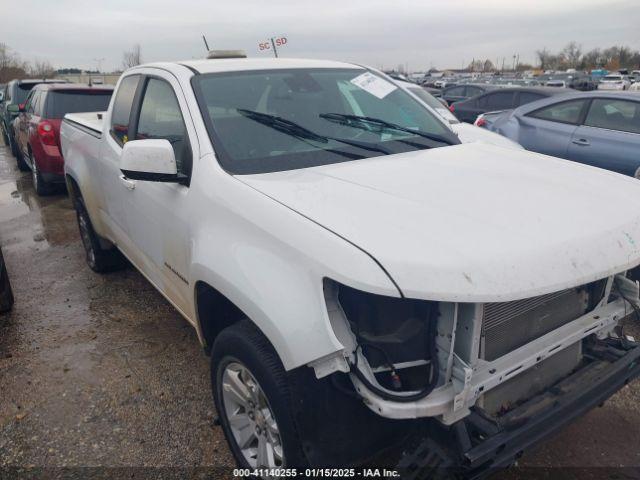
157,213
112,211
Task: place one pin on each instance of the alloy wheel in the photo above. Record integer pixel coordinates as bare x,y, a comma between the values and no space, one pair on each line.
250,418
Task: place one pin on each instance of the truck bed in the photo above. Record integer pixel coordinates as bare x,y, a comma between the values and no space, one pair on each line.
90,120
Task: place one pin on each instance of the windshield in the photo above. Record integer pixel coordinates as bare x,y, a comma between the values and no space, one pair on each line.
275,120
434,103
62,102
613,77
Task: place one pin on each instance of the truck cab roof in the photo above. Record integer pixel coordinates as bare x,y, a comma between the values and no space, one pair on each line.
239,64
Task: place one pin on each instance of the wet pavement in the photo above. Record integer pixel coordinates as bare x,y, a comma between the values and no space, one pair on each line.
99,370
95,370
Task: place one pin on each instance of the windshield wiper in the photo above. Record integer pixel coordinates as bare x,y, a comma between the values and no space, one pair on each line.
291,128
282,125
357,121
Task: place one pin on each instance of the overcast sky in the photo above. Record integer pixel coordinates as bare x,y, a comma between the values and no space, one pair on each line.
420,33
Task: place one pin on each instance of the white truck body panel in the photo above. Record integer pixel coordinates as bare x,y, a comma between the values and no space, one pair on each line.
92,120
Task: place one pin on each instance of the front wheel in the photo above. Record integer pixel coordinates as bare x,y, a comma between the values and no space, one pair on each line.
253,400
15,150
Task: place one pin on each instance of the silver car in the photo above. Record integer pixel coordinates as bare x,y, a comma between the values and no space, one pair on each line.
596,128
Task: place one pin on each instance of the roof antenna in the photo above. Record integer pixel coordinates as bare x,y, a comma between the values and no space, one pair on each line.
205,43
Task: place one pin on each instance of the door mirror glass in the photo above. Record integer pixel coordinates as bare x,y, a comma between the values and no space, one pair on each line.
151,160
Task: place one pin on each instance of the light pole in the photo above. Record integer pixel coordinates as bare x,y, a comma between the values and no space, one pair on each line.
99,63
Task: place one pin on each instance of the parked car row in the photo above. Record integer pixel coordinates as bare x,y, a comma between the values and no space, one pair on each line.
354,270
32,111
597,128
500,99
466,132
583,81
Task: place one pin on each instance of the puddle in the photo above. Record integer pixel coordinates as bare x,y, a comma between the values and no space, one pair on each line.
11,204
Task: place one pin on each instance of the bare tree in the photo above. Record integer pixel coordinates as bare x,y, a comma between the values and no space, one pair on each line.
10,65
593,59
131,58
544,57
42,69
572,53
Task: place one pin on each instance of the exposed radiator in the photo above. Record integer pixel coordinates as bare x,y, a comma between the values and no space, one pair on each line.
509,325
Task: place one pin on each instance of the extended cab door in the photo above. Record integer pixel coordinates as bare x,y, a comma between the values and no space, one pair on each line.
609,136
107,168
157,212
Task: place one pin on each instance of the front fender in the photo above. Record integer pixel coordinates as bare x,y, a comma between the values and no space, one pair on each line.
270,262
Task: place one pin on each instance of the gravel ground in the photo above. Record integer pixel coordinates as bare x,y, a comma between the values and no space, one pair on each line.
100,371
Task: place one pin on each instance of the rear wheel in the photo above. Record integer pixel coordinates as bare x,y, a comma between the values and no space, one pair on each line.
99,259
253,400
39,184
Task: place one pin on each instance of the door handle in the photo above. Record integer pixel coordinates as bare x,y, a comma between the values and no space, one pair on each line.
128,183
582,142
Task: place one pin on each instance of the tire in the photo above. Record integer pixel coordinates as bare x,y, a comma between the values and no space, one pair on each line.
242,345
15,150
99,259
12,144
41,187
6,294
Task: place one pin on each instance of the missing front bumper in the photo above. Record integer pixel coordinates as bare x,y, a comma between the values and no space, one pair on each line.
475,445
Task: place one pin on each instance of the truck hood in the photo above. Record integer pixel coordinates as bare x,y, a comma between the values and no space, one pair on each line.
472,222
470,133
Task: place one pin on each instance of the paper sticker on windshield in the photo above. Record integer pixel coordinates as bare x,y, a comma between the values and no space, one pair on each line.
373,84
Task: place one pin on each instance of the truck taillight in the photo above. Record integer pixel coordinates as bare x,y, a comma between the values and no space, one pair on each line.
46,133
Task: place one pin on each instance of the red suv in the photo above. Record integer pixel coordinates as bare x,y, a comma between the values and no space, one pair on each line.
37,127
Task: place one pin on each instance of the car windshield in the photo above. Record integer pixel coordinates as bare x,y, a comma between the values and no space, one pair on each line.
274,120
613,77
434,103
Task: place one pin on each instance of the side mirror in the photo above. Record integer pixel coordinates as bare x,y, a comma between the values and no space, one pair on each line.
151,160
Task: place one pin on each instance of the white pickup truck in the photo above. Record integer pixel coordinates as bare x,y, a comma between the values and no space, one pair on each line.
356,274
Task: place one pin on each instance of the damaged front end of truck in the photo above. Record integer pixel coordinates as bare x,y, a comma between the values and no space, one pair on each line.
486,380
